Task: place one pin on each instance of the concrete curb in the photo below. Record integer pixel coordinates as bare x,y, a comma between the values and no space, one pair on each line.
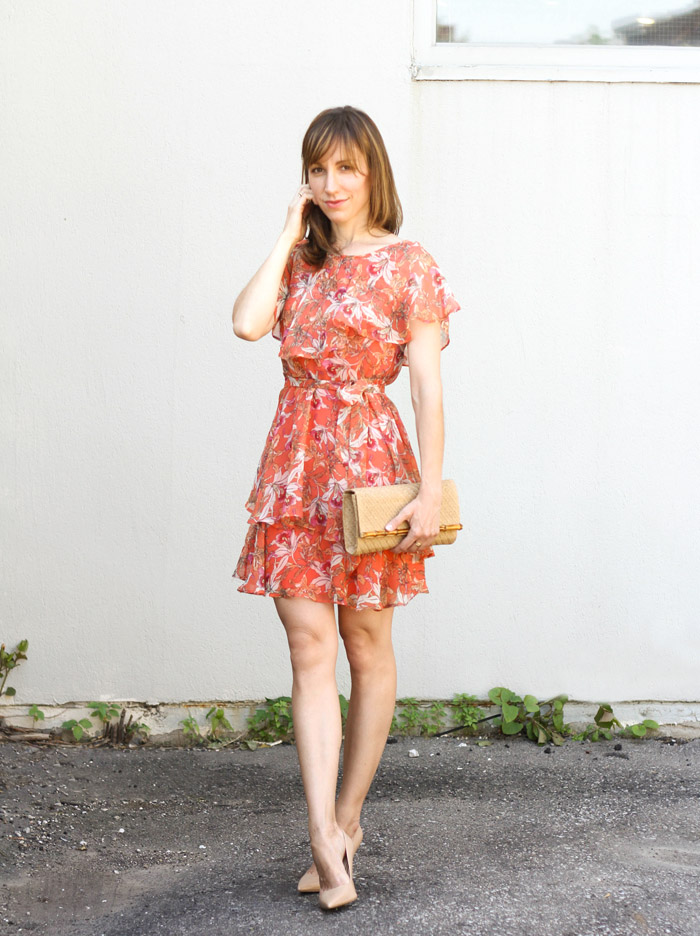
676,719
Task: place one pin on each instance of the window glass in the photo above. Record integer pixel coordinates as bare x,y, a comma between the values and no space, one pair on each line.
568,22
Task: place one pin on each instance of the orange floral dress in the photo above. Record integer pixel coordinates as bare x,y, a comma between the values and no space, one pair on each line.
343,331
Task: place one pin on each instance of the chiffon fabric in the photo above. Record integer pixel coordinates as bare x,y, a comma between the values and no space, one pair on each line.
343,331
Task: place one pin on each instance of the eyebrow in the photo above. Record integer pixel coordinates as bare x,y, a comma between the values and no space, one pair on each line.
345,159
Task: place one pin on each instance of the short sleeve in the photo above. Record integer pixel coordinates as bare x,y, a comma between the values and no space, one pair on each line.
283,295
424,295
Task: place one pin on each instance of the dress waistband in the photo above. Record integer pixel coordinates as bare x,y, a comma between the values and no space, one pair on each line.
349,391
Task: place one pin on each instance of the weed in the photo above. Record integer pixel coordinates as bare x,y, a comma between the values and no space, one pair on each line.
116,733
542,721
465,711
272,721
433,718
191,728
78,728
605,723
8,661
410,716
218,723
215,736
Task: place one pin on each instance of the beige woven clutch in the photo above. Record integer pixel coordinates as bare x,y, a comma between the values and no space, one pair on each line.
367,510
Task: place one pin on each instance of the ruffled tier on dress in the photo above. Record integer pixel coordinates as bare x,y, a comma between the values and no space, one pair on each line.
292,561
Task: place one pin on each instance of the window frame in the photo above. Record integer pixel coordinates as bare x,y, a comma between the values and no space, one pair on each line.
432,61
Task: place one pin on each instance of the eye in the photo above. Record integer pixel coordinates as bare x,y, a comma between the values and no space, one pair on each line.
315,169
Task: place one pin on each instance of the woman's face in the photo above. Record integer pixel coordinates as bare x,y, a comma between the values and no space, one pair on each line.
341,186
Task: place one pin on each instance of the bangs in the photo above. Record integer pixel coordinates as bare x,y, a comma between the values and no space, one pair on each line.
326,138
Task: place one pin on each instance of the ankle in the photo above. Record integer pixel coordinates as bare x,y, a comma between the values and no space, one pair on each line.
350,825
348,819
324,832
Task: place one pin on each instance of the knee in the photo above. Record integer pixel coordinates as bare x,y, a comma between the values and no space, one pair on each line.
309,649
365,651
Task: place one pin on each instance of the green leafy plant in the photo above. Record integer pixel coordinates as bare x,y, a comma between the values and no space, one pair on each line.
465,711
542,721
117,733
8,661
605,724
191,728
434,718
272,721
105,711
218,723
78,728
122,731
410,716
640,729
36,713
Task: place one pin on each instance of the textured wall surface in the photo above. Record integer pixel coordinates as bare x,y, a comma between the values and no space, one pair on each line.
152,153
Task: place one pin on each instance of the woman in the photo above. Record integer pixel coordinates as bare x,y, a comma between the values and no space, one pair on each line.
350,303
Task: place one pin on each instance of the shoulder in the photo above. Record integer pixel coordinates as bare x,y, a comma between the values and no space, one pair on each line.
415,264
413,255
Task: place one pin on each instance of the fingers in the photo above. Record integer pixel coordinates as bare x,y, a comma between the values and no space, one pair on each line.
413,541
297,211
395,522
413,545
302,195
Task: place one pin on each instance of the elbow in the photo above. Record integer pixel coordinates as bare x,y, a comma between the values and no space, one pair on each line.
241,332
242,329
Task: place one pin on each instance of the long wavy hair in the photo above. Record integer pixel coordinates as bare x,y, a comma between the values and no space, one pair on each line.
357,133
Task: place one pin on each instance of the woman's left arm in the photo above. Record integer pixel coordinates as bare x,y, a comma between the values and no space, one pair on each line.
423,512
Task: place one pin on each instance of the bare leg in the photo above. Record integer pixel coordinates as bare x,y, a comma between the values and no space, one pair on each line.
313,648
367,638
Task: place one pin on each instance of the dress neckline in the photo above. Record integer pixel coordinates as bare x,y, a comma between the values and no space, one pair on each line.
372,253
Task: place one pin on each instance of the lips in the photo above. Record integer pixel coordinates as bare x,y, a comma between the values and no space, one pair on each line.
334,204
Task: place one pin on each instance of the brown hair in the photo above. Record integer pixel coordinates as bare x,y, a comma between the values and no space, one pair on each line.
358,133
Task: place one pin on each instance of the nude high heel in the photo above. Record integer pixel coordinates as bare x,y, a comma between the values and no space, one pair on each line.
308,882
343,894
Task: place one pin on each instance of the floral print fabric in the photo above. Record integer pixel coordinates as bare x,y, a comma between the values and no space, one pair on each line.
343,331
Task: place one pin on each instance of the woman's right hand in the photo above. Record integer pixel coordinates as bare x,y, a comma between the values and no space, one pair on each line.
295,225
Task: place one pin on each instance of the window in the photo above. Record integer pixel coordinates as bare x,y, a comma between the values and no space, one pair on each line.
557,40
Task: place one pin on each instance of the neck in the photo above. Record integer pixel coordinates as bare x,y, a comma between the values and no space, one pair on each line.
344,235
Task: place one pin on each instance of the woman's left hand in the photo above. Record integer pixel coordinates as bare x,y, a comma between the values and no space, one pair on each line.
423,515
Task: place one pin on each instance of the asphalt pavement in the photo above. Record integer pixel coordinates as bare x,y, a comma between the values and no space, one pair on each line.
505,839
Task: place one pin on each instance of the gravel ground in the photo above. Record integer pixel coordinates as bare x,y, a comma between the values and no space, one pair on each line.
501,840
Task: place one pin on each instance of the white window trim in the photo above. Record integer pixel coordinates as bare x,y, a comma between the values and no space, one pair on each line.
444,61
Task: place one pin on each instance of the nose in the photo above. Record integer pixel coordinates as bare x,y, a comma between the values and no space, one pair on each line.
331,184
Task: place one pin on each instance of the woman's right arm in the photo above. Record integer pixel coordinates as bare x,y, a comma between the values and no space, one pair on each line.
255,309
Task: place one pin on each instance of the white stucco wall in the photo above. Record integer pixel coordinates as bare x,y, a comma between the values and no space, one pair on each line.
151,153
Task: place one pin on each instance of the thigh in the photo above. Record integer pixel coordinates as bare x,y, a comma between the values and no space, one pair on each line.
366,629
310,626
